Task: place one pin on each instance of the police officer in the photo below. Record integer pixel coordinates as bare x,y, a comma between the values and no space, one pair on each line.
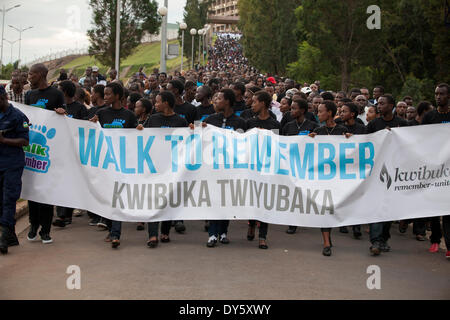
13,136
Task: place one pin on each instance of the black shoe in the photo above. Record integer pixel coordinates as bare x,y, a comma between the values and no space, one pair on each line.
343,230
32,234
375,249
211,242
45,237
224,239
385,247
206,226
326,251
59,223
140,227
164,239
291,230
12,239
94,221
179,227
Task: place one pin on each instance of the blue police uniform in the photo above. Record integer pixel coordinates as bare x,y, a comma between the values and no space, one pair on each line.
13,125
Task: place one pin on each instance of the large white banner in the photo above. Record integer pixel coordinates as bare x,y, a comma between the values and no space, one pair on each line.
212,173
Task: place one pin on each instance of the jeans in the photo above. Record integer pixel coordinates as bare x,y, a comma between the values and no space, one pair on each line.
10,188
436,233
153,228
380,232
116,229
218,227
41,214
262,228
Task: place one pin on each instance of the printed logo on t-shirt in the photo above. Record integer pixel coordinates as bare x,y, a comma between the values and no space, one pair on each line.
238,113
117,123
204,117
183,116
165,127
228,128
41,103
304,133
37,156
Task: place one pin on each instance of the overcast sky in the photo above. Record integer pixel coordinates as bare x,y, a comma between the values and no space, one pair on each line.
57,25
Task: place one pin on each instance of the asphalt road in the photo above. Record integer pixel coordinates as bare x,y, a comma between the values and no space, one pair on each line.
292,268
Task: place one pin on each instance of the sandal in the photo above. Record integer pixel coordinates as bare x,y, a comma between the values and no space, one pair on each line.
165,238
263,244
251,233
152,243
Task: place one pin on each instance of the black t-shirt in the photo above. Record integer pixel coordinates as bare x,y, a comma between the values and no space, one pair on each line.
49,98
288,118
76,110
357,120
204,112
93,111
294,128
233,122
112,118
269,124
413,122
434,116
335,131
380,124
161,121
239,107
357,128
187,111
248,114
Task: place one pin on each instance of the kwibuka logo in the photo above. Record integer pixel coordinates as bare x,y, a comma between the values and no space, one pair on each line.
385,176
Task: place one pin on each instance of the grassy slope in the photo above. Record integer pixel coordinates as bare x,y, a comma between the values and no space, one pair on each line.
146,55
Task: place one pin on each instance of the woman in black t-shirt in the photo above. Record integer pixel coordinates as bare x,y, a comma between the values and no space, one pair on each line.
326,113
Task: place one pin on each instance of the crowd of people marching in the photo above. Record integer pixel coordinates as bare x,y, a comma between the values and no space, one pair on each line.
226,93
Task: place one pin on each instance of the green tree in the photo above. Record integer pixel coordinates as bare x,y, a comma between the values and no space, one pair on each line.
268,29
195,16
136,17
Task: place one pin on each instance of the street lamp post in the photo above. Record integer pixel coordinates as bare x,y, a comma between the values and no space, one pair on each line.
4,11
200,35
20,30
12,44
193,33
117,64
163,13
183,26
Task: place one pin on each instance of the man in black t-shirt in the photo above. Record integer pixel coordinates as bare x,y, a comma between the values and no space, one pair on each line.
164,118
239,91
205,109
386,120
182,108
326,113
115,116
263,120
440,116
300,125
97,99
225,119
49,98
380,232
75,110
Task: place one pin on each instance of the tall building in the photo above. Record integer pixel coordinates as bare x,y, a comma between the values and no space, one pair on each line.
224,15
